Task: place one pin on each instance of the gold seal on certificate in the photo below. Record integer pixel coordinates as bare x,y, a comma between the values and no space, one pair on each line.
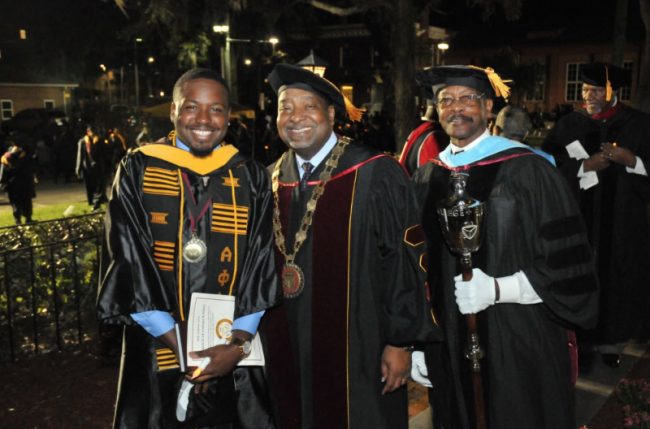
194,250
293,280
224,329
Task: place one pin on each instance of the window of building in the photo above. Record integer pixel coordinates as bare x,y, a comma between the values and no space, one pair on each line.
48,104
539,83
573,84
626,91
6,109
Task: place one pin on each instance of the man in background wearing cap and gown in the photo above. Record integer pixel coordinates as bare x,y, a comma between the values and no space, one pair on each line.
533,275
425,141
604,153
350,252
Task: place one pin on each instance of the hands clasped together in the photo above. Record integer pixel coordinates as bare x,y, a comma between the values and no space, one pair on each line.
610,153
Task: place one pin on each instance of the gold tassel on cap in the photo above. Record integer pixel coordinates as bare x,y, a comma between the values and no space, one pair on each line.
353,111
608,86
498,84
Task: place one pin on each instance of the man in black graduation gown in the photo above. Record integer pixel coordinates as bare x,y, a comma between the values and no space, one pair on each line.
351,254
604,151
425,141
91,166
17,177
188,215
533,275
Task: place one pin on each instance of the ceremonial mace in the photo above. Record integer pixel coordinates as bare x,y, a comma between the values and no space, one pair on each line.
460,217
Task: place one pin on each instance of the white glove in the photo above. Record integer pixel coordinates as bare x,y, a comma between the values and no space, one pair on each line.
419,372
476,294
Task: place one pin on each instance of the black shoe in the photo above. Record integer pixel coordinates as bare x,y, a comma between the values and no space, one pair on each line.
585,360
612,360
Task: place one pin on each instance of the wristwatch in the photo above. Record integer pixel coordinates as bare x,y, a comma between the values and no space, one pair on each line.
245,346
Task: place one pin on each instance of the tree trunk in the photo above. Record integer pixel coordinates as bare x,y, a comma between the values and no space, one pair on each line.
620,28
403,70
642,95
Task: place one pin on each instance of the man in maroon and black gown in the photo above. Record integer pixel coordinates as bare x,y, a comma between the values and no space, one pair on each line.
338,349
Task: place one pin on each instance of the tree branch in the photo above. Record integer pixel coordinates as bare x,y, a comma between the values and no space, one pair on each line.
334,10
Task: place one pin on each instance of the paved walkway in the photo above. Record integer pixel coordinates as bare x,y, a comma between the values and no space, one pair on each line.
49,193
592,388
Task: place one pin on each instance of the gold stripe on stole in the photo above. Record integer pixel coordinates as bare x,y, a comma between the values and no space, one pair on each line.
229,218
181,312
166,359
234,236
163,255
160,181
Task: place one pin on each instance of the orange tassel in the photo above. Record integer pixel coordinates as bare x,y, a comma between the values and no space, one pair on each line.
608,86
355,113
498,84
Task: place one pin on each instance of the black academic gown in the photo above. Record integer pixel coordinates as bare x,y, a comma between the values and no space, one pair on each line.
17,178
363,262
141,271
616,214
92,165
531,224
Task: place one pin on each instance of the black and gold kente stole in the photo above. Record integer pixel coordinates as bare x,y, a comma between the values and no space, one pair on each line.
164,199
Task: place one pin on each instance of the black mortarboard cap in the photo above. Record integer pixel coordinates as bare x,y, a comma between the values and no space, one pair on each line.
291,76
605,75
485,81
598,74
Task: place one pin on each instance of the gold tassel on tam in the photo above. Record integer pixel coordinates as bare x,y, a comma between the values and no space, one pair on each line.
353,111
608,86
498,84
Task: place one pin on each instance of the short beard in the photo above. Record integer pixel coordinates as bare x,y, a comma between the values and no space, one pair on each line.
201,153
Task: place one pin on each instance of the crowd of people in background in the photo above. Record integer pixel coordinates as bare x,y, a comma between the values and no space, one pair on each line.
32,155
54,154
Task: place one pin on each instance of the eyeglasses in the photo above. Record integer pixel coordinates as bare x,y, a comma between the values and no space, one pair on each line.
468,100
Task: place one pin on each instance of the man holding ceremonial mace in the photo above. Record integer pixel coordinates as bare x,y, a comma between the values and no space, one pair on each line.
532,277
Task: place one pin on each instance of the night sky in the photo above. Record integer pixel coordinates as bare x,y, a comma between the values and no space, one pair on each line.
68,39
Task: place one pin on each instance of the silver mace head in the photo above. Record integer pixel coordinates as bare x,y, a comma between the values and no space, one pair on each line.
460,217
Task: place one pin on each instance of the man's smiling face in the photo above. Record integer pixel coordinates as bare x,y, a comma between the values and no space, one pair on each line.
305,121
200,115
463,113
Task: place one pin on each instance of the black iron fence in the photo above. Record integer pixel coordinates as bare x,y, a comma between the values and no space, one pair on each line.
48,277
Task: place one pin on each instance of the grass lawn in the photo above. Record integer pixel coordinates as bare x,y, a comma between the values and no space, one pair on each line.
45,212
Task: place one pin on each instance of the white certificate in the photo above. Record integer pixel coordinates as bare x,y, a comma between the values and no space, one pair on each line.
576,150
210,324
